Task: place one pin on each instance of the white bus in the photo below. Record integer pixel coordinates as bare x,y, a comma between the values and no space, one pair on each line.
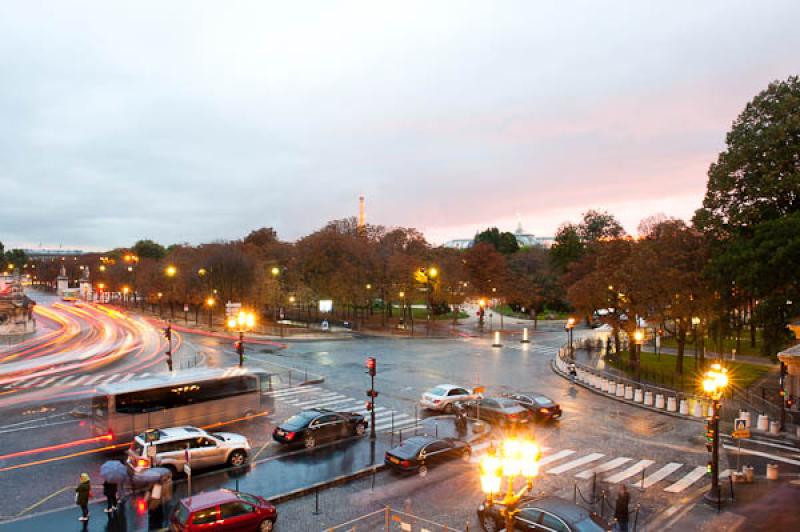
199,397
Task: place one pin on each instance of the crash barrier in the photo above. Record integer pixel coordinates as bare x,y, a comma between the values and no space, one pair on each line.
389,519
601,504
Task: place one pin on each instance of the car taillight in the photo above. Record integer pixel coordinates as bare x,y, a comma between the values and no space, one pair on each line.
142,462
513,416
543,410
437,401
290,435
405,463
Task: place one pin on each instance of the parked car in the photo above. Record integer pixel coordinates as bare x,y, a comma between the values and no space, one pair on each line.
542,407
442,397
168,448
315,425
498,410
223,510
544,514
418,453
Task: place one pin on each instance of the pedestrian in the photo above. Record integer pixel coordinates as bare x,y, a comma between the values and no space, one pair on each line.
110,491
82,494
621,509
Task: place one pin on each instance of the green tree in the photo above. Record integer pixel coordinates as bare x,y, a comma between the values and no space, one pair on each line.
149,249
567,248
599,225
504,242
17,257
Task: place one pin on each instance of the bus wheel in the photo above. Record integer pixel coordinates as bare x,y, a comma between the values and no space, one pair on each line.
237,458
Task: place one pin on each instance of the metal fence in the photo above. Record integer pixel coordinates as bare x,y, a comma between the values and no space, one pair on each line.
388,519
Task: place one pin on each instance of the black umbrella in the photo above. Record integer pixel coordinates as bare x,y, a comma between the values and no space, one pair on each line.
114,472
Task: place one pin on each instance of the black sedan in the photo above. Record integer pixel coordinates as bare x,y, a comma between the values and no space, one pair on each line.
546,513
542,407
310,427
499,410
418,453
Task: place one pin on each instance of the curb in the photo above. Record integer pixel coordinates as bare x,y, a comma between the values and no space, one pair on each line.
625,401
342,479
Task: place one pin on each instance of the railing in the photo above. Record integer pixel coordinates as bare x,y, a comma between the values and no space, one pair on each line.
388,519
600,504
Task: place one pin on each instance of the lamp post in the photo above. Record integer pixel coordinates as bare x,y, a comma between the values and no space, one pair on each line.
210,304
638,340
517,458
241,323
568,327
170,272
715,380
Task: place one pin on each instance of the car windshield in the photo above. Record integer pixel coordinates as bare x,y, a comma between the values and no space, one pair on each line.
301,419
439,390
507,403
248,498
216,436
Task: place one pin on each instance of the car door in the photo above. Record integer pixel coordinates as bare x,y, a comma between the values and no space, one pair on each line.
172,453
436,452
524,401
238,516
324,427
204,452
488,410
528,519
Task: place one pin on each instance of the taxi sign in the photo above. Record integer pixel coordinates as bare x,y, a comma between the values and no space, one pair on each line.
479,389
740,429
741,433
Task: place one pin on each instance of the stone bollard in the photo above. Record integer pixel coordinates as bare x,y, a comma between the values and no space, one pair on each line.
598,382
672,404
774,427
648,398
744,414
698,409
638,396
684,407
772,471
659,400
763,423
748,473
605,385
612,388
629,392
620,390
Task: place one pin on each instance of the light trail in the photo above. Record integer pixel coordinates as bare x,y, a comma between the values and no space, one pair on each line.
57,447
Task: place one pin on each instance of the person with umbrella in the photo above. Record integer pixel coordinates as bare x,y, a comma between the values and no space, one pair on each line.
113,473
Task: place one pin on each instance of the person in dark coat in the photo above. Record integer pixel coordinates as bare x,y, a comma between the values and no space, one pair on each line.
82,494
621,509
110,491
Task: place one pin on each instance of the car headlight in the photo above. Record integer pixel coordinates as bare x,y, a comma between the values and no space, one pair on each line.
481,507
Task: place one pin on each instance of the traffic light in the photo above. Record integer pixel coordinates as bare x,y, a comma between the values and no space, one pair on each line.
710,468
369,406
372,366
789,402
372,393
710,435
239,346
168,332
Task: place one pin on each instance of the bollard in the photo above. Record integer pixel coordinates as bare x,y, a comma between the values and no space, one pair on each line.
659,400
638,396
629,392
612,387
698,409
763,423
772,471
316,502
672,404
648,398
774,427
684,407
748,473
604,386
710,410
744,414
620,390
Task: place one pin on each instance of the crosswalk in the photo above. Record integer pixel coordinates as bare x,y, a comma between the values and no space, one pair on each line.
305,397
672,477
71,381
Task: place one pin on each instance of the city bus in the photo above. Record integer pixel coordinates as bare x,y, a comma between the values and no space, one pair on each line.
198,397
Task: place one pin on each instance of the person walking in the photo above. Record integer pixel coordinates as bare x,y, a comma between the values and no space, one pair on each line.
110,491
82,494
621,509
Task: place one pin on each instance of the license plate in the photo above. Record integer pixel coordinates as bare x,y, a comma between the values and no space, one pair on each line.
394,460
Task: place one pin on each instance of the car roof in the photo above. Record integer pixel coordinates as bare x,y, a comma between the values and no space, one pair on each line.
566,510
175,433
209,498
419,441
448,386
536,394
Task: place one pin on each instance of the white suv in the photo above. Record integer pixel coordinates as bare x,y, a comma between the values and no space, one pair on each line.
169,448
442,397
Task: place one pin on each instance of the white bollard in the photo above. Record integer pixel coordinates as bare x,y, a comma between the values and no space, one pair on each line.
648,398
598,382
763,423
698,409
684,407
612,388
620,390
774,427
659,400
772,471
605,385
744,414
629,392
672,404
638,396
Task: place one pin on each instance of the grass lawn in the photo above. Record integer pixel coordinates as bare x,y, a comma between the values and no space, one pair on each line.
662,371
728,344
506,310
421,314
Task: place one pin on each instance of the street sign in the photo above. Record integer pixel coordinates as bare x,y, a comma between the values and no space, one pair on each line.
187,469
740,429
741,433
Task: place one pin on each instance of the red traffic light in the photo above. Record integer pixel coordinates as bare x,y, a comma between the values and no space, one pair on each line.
368,406
371,366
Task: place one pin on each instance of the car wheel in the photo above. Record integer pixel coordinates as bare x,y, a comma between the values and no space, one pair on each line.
309,442
423,471
489,523
448,408
172,470
360,428
266,526
466,455
237,458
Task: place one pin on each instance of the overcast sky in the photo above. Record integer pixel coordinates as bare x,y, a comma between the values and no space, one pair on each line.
198,121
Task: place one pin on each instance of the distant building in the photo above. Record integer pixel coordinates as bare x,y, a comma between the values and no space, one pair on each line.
525,240
52,253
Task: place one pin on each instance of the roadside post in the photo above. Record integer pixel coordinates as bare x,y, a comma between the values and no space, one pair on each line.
372,394
740,430
187,469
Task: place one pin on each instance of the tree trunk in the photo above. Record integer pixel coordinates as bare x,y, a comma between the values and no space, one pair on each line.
680,337
752,325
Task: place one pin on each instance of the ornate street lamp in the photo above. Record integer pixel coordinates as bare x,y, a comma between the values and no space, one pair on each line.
517,458
241,323
568,327
210,302
715,381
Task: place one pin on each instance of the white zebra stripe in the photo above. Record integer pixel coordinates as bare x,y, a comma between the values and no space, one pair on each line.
64,380
339,403
128,377
46,382
557,456
636,468
28,383
661,474
602,468
692,477
111,378
575,463
93,380
291,391
316,399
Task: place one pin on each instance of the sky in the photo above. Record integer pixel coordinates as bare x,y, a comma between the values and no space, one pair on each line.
190,121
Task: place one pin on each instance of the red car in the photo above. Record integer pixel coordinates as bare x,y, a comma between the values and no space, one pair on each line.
223,510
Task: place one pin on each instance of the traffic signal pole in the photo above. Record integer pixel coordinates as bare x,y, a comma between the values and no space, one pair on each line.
372,369
713,495
168,336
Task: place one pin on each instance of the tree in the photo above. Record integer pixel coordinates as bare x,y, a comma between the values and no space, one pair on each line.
149,249
532,280
599,225
487,269
757,177
504,242
17,257
567,248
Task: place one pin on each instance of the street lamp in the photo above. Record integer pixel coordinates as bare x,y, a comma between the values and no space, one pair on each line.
695,325
715,380
170,272
518,458
241,323
568,327
638,340
210,304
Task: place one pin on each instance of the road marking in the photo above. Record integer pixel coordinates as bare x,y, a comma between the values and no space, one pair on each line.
128,377
553,457
382,409
26,383
63,381
769,443
766,455
78,381
638,467
93,380
142,375
339,403
319,398
602,468
111,378
695,475
46,382
575,463
291,391
661,474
